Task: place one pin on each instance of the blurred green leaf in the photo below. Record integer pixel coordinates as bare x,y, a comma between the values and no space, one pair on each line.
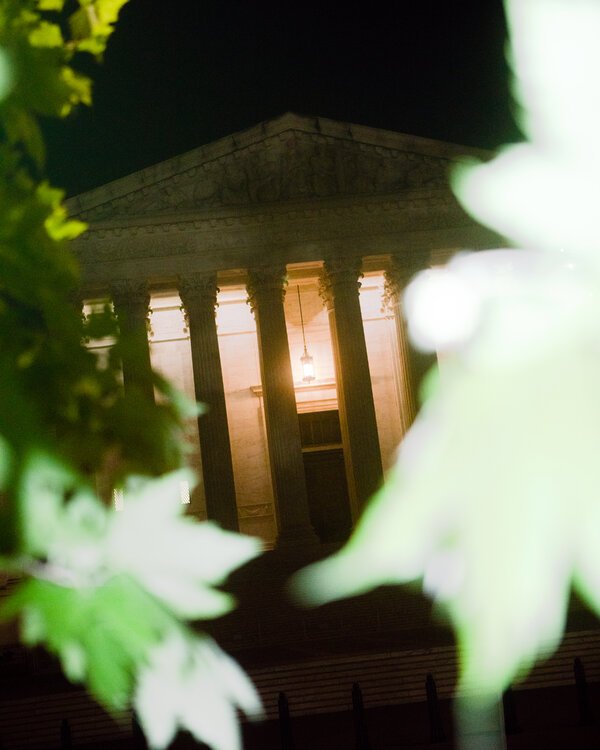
46,35
56,5
93,23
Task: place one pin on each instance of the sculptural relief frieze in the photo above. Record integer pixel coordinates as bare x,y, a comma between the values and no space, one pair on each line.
444,208
291,166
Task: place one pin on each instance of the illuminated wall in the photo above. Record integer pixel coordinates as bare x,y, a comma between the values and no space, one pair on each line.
238,346
382,350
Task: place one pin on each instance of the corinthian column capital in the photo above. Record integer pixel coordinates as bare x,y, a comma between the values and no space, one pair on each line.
400,269
197,288
339,274
198,293
264,280
130,296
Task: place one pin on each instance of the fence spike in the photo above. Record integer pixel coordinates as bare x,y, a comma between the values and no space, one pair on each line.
285,723
586,714
360,724
511,722
436,728
66,742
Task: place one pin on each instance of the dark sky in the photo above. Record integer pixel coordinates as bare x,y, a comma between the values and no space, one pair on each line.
181,73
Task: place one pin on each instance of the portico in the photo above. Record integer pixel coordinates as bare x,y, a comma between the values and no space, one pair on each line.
220,245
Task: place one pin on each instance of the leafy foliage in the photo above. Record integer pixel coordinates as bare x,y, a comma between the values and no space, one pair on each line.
69,399
494,499
193,684
107,592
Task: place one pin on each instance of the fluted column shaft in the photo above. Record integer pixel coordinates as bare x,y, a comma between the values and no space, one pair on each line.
199,297
413,364
131,300
265,294
340,287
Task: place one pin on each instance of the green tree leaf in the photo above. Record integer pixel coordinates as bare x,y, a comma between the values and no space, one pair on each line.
46,35
93,23
56,5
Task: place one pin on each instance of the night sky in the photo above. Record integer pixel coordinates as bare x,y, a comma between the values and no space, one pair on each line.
182,73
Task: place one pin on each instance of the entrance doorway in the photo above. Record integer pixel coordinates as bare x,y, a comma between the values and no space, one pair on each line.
326,485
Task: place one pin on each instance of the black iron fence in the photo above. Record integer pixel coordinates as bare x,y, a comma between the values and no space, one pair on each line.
437,733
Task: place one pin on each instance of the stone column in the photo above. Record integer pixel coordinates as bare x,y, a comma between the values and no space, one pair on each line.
413,364
266,291
397,277
339,288
131,301
198,293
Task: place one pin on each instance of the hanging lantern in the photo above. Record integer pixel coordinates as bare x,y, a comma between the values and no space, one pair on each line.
308,367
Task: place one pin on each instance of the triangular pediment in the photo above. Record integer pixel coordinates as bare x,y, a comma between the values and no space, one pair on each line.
290,158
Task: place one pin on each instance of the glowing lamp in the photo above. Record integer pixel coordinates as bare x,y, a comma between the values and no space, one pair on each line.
308,367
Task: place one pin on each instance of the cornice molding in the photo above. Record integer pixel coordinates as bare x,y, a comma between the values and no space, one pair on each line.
437,204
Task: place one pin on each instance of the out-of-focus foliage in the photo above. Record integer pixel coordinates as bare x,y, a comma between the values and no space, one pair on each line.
107,592
53,391
543,193
494,503
192,683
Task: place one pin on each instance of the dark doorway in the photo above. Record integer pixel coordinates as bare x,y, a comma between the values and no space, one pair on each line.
326,485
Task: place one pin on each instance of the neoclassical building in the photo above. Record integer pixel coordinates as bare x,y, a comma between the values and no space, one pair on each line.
291,239
229,267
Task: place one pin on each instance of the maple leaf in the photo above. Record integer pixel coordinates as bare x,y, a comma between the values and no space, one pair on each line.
173,556
193,684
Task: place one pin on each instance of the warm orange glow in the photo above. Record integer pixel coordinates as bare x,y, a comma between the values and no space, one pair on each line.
308,367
